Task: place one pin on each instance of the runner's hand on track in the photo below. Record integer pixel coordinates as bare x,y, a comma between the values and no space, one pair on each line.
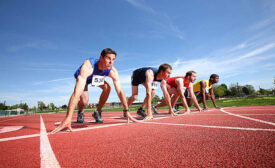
129,117
148,117
200,110
172,113
65,123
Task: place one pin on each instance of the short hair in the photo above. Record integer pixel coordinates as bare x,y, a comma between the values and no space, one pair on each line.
163,67
107,51
189,73
213,76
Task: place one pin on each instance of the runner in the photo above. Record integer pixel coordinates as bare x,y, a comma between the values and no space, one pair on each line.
149,77
93,71
176,86
204,89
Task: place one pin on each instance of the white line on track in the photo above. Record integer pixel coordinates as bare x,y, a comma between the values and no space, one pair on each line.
238,114
10,129
208,126
253,119
48,159
19,137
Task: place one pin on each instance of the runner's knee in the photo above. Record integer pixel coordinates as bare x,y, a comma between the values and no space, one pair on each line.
85,101
134,97
106,88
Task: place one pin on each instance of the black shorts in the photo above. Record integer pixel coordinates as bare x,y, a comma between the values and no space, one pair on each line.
135,81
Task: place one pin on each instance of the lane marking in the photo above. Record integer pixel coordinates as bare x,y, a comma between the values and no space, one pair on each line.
208,126
238,114
10,129
248,118
83,129
19,137
48,159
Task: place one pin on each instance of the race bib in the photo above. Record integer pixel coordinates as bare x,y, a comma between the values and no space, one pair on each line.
154,85
98,80
207,90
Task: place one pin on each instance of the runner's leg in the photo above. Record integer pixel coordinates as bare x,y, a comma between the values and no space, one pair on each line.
106,89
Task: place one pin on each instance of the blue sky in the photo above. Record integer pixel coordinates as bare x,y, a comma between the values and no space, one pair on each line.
43,42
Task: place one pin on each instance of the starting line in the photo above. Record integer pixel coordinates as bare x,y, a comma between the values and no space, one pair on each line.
158,118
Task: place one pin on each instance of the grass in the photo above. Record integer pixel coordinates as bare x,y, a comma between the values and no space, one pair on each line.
237,102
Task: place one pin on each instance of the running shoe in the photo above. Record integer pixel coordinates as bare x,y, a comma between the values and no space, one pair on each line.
97,116
80,117
141,112
155,109
125,113
176,110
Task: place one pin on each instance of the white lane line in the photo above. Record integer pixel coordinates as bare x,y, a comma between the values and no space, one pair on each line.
83,129
48,159
209,126
253,119
10,129
238,114
253,109
19,137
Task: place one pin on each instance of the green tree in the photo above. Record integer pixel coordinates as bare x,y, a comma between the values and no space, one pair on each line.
248,89
64,106
264,91
41,105
220,90
34,109
235,90
14,106
52,106
156,99
3,106
24,106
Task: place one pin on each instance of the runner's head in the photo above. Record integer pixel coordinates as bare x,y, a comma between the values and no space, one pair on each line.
165,71
214,78
107,57
191,75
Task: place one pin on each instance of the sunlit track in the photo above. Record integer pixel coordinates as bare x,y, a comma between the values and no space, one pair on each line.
98,144
208,126
253,119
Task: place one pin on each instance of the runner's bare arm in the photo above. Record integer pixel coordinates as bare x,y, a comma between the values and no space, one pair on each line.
85,71
167,96
179,83
212,95
115,77
203,90
193,97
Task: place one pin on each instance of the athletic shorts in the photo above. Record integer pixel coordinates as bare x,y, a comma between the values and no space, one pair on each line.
135,79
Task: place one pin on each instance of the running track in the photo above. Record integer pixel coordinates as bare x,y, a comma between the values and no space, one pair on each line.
229,137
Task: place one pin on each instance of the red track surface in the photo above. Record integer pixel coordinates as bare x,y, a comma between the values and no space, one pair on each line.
207,139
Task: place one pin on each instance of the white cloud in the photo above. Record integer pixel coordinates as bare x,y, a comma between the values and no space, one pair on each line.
165,22
224,65
140,4
32,45
263,23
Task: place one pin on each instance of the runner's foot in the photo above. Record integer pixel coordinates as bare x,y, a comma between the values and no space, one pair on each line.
97,116
80,117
